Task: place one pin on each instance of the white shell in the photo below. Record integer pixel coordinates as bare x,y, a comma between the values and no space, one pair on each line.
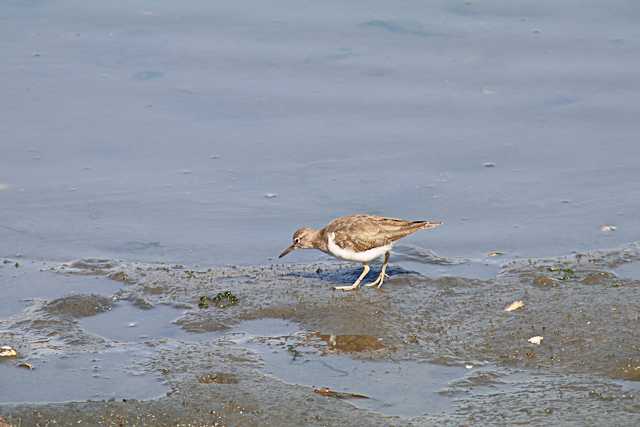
514,306
536,340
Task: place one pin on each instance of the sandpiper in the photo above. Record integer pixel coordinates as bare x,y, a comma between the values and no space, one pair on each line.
360,238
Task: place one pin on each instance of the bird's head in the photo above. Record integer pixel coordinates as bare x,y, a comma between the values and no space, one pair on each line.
302,239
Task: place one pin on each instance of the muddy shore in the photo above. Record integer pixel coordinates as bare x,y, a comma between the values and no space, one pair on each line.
458,357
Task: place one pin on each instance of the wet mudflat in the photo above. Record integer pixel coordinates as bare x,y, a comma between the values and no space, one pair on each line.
421,351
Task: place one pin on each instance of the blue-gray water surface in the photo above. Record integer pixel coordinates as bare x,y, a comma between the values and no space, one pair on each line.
206,132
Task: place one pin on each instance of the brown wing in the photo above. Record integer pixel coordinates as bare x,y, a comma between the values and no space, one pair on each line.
364,232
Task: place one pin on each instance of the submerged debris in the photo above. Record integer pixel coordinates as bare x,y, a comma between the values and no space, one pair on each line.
327,392
25,365
536,340
119,276
514,306
544,281
598,278
221,300
86,266
218,378
566,273
142,303
352,343
629,371
203,302
291,349
8,351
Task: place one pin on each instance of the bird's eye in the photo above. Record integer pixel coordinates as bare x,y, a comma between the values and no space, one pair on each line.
296,240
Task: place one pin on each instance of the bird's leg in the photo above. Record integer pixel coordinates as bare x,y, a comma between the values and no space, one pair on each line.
356,284
378,282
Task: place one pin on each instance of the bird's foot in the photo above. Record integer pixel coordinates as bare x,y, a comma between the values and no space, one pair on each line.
347,288
374,283
378,282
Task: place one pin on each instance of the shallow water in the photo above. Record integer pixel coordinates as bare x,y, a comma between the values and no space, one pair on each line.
629,271
77,377
162,131
25,283
405,389
127,323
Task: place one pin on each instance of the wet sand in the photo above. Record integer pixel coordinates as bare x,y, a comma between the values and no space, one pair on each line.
423,350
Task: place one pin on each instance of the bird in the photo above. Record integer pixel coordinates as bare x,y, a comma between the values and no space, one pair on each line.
360,238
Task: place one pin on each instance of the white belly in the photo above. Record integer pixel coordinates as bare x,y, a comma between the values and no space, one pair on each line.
350,255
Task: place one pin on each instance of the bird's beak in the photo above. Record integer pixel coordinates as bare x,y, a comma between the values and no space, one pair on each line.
286,251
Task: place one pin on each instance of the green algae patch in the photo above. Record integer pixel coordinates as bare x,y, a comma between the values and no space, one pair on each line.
563,273
221,300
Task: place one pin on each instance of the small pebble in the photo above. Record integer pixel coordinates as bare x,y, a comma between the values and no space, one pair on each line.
489,165
270,195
